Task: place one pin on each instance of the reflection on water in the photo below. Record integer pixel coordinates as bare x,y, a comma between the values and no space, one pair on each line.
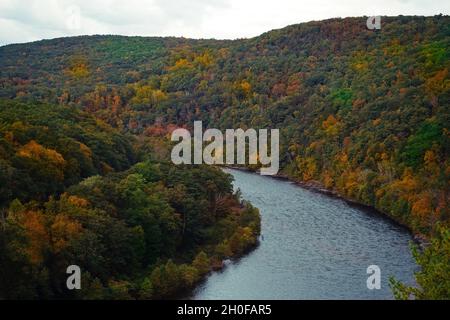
312,247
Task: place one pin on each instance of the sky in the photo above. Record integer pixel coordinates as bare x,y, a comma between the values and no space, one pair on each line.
30,20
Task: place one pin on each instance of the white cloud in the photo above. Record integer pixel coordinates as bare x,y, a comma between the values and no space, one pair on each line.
28,20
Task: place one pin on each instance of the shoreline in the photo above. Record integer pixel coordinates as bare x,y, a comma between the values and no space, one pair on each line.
189,294
316,186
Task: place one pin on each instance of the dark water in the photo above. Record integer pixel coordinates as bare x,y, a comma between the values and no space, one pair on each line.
313,247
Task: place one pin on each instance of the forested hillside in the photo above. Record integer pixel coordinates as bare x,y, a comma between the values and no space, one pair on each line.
70,194
361,112
44,149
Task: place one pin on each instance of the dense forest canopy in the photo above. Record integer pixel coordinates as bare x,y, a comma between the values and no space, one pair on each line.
72,193
362,112
45,148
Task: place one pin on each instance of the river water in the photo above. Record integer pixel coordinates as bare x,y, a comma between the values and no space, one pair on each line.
313,246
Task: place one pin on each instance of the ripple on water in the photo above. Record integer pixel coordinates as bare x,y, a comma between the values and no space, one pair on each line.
314,247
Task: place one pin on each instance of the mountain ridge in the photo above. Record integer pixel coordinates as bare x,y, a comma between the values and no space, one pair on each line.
339,19
348,100
363,112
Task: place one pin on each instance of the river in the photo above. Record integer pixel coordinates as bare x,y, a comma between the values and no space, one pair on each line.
313,246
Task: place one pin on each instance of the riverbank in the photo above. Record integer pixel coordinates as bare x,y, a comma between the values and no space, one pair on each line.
316,186
314,247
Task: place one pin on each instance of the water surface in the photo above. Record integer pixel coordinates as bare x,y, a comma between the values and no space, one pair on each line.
313,246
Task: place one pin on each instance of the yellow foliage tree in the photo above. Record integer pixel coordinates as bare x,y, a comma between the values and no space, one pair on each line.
63,230
331,126
36,151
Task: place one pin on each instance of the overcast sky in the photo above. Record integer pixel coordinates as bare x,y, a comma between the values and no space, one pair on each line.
29,20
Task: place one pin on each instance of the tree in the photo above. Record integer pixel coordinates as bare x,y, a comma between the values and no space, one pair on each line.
434,277
202,263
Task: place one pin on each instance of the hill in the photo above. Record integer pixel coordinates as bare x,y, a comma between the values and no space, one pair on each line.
361,112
